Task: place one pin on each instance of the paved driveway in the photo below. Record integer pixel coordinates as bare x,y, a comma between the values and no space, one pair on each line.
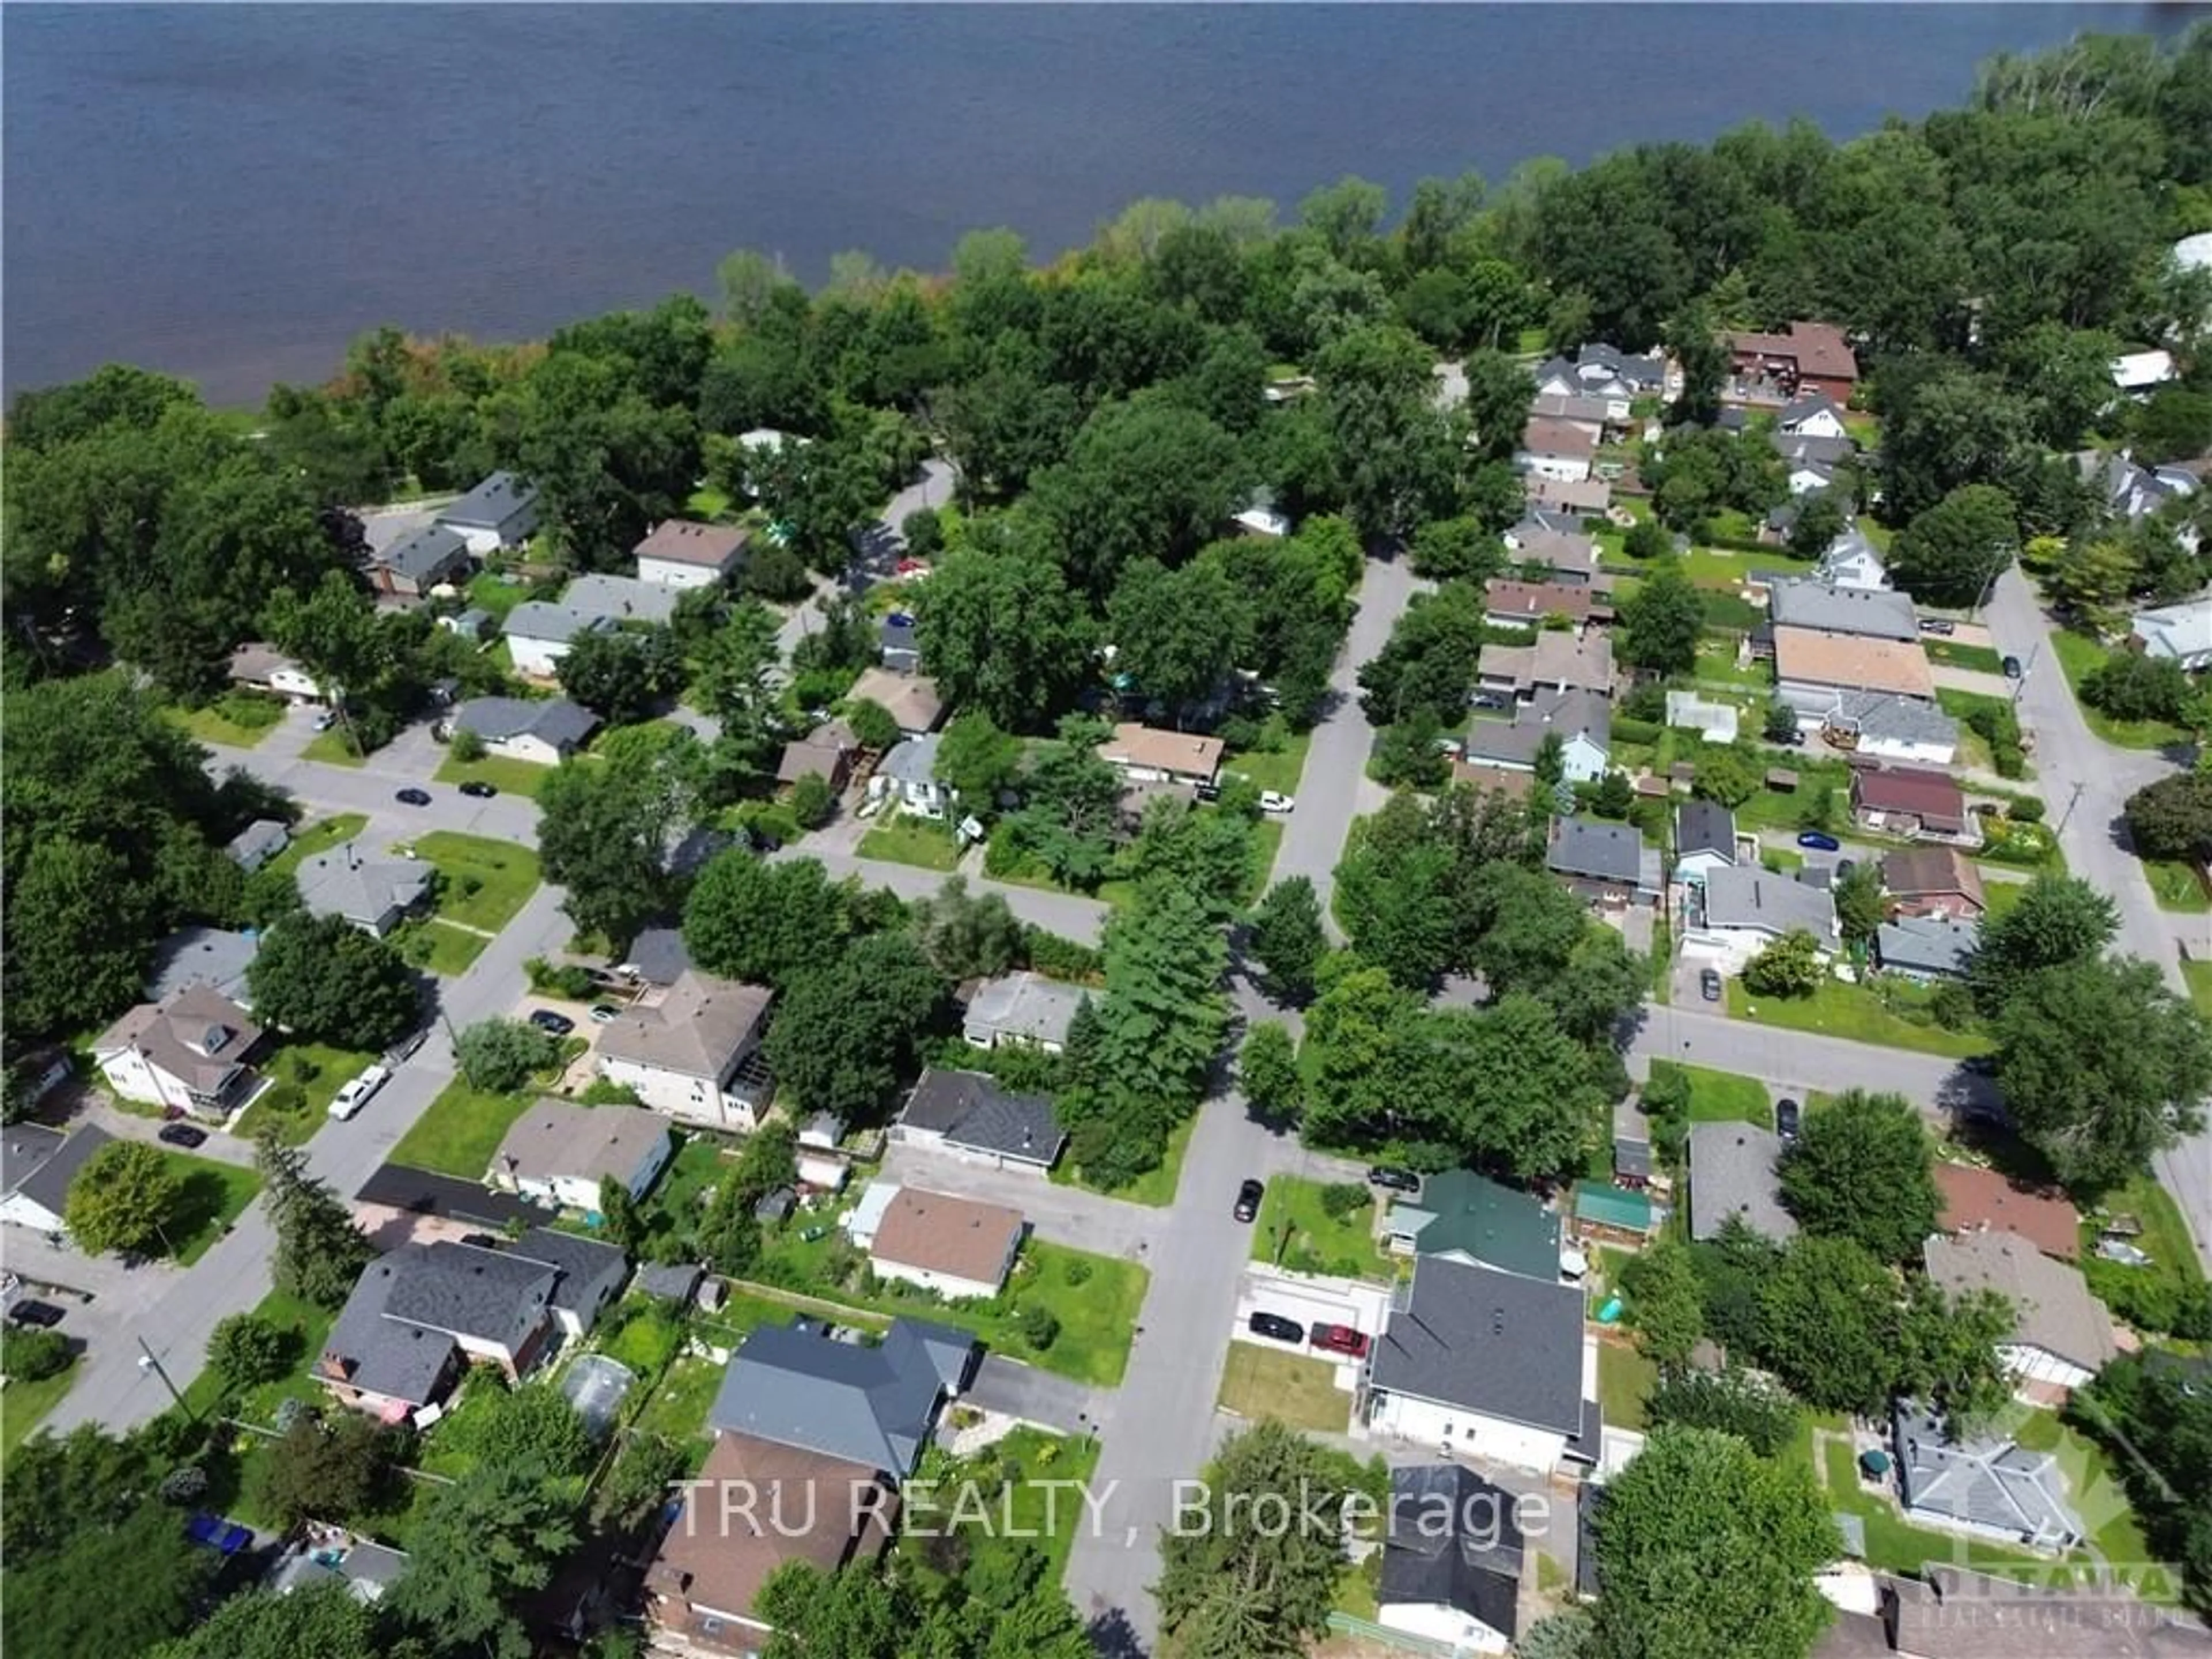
1107,1227
1035,1396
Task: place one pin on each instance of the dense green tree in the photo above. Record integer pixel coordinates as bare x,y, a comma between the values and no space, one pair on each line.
1661,624
2173,819
1861,1168
1395,450
1499,393
2157,1402
1789,967
1285,937
1173,631
622,675
1827,1323
1730,776
1161,1018
1268,1069
2130,685
123,1200
1429,661
1730,1402
998,627
327,1620
1665,1301
1446,549
246,1350
767,922
849,1028
967,935
115,1590
504,1054
1505,1087
606,829
1949,554
320,1251
1208,853
490,1537
2058,920
329,1471
977,760
1140,480
1820,518
1948,1352
327,981
1071,806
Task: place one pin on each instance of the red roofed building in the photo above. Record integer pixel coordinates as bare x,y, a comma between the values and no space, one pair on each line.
1910,801
1982,1200
1810,357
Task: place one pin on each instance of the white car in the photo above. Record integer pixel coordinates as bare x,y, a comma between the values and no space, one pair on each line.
354,1095
1272,802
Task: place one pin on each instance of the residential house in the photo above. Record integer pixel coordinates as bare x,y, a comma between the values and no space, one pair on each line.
968,1115
623,601
1556,449
1826,607
1882,726
376,894
559,1154
1554,541
1582,721
1484,1365
419,1315
260,668
908,772
1608,864
400,1205
190,1052
1022,1007
1713,722
435,555
1732,1175
956,1247
1981,1201
702,1584
1988,1485
909,699
791,1385
696,1053
827,752
1907,800
1150,755
2132,491
1740,911
1809,463
1934,881
258,842
1557,661
500,512
898,643
1589,498
1451,1559
1926,949
1515,781
1530,605
1592,415
2061,1335
545,730
1948,1613
657,955
1853,560
1813,415
2138,374
1614,378
1807,357
37,1166
1812,670
538,634
1705,840
214,956
2176,633
683,553
1470,1218
592,1274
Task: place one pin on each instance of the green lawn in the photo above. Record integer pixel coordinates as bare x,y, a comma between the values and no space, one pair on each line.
512,777
1980,657
1291,1388
1720,1096
2165,1238
319,837
1278,769
2001,895
2199,976
2095,1488
1040,1515
1716,662
1856,1013
1267,842
437,945
237,720
305,1326
2176,887
24,1405
1715,566
486,881
317,1070
332,748
1783,860
1155,1187
1295,1231
2080,655
1625,1380
462,1129
215,1195
916,841
488,592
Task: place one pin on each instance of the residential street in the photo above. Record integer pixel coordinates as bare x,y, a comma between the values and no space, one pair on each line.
1796,1061
2086,783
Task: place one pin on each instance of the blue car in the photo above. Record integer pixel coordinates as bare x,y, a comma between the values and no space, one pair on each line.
1819,842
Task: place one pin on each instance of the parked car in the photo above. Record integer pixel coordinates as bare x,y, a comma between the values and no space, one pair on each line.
546,1020
1270,801
181,1134
1793,739
1340,1339
1819,842
1708,985
1247,1199
356,1094
482,1240
1397,1180
1274,1325
1786,1118
31,1311
1938,625
1979,1064
323,720
602,1013
2013,670
413,797
478,789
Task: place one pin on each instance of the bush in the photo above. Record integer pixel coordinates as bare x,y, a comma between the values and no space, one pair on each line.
2154,1300
1952,1005
2129,686
564,980
467,745
1077,1271
1641,733
248,1350
817,688
1059,958
1039,1327
183,1486
2028,809
813,802
1343,1199
1646,701
27,1356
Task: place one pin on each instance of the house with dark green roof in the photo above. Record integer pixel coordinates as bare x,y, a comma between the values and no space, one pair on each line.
1467,1217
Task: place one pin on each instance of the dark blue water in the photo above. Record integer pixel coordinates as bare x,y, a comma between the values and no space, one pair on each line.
230,193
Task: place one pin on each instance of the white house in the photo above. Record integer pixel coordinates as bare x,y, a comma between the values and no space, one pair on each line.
956,1247
2179,633
908,774
500,512
2061,1335
694,1053
1852,561
545,730
1746,908
260,667
1451,1559
1556,449
188,1052
38,1165
559,1154
1022,1008
538,634
374,893
1486,1364
1812,415
681,553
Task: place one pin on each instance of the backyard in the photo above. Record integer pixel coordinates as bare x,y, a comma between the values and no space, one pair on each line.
1625,1380
319,837
1895,1545
1293,1389
906,839
1856,1013
214,1196
236,719
486,881
2080,656
509,776
1278,769
1038,1505
1299,1229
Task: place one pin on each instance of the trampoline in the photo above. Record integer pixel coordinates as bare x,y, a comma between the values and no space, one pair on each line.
595,1385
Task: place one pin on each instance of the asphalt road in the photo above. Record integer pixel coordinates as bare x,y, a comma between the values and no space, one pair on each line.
2086,782
1797,1060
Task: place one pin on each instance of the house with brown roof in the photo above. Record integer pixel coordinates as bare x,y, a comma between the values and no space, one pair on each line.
827,752
1516,784
558,1152
1589,497
1812,670
958,1247
1934,881
1977,1201
909,699
1510,604
191,1051
1910,801
2061,1335
1147,754
1558,449
1950,1612
1557,661
720,1550
1807,357
683,553
694,1051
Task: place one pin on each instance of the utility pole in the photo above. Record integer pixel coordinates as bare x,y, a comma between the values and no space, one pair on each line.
2068,817
147,1362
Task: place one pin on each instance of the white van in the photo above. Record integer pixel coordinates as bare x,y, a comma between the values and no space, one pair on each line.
354,1095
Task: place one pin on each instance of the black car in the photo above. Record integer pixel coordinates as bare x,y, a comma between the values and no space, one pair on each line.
182,1134
413,797
478,789
1786,1119
1247,1200
482,1240
546,1020
28,1311
1979,1064
2013,670
1274,1325
1709,984
1397,1180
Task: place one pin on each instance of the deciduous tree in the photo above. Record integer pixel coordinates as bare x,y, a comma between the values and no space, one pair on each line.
502,1054
123,1199
848,1028
1661,624
767,922
2173,819
1949,554
2058,920
248,1350
322,978
481,1543
1268,1069
1285,937
1789,967
1861,1168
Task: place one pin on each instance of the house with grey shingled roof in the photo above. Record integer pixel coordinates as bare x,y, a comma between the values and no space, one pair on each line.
1878,613
419,561
792,1385
1605,862
1741,910
417,1316
1926,948
545,730
970,1115
1022,1007
1989,1485
37,1163
500,512
1732,1176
